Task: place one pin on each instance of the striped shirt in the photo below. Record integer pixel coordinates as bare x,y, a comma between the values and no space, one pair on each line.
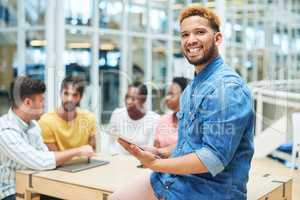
21,147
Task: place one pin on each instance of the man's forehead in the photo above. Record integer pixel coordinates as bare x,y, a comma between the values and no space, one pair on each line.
194,22
38,96
70,88
133,91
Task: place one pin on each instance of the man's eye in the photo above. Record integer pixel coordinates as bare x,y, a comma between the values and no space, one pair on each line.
184,35
200,32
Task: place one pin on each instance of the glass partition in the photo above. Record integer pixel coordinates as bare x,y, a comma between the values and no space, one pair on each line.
8,54
35,11
8,13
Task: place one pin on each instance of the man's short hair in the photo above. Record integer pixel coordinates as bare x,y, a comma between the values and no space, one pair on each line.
24,87
76,81
197,10
141,87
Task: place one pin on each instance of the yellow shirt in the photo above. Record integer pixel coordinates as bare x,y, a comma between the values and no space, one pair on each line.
68,134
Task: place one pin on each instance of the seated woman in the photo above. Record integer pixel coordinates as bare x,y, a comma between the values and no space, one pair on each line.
166,130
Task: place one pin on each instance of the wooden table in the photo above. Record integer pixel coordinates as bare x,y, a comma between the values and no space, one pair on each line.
267,181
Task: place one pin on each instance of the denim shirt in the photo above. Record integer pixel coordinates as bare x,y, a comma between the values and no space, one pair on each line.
215,123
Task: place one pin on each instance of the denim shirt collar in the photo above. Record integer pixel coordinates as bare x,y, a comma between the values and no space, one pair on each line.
210,68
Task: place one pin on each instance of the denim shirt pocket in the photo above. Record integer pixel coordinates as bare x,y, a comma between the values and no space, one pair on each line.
197,117
195,130
197,100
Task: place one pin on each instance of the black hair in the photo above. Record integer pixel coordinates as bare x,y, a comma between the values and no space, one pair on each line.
76,81
142,89
24,87
181,81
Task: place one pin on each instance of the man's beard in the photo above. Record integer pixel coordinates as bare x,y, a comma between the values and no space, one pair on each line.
69,106
37,115
209,54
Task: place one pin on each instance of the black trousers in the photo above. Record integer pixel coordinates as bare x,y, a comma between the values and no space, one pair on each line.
11,197
43,197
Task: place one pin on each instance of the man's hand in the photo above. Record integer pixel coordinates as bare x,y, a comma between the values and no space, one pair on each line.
147,158
153,150
62,156
164,152
187,164
86,150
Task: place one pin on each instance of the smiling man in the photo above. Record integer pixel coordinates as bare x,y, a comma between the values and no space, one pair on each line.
215,145
69,126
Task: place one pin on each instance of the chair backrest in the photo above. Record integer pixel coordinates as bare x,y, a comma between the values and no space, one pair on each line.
296,127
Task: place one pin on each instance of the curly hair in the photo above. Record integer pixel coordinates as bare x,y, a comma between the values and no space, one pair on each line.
197,10
142,89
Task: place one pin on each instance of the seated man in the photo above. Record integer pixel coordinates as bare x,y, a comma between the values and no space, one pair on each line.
69,126
133,121
21,145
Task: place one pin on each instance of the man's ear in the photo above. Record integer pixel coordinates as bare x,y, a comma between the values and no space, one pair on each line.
218,38
27,101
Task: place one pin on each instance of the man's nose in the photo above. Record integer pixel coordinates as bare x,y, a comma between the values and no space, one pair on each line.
192,39
69,98
168,97
129,101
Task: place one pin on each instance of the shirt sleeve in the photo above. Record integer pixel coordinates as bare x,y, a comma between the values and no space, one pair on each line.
157,133
15,147
154,123
227,113
38,138
47,132
111,142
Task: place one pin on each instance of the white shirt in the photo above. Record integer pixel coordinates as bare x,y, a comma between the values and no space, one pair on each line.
21,147
140,131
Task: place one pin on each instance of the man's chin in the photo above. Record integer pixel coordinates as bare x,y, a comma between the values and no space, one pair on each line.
134,110
69,109
37,117
195,61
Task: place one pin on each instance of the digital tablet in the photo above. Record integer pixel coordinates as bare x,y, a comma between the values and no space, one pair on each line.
81,165
117,136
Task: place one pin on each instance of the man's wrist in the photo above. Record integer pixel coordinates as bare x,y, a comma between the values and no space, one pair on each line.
163,153
156,165
78,151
